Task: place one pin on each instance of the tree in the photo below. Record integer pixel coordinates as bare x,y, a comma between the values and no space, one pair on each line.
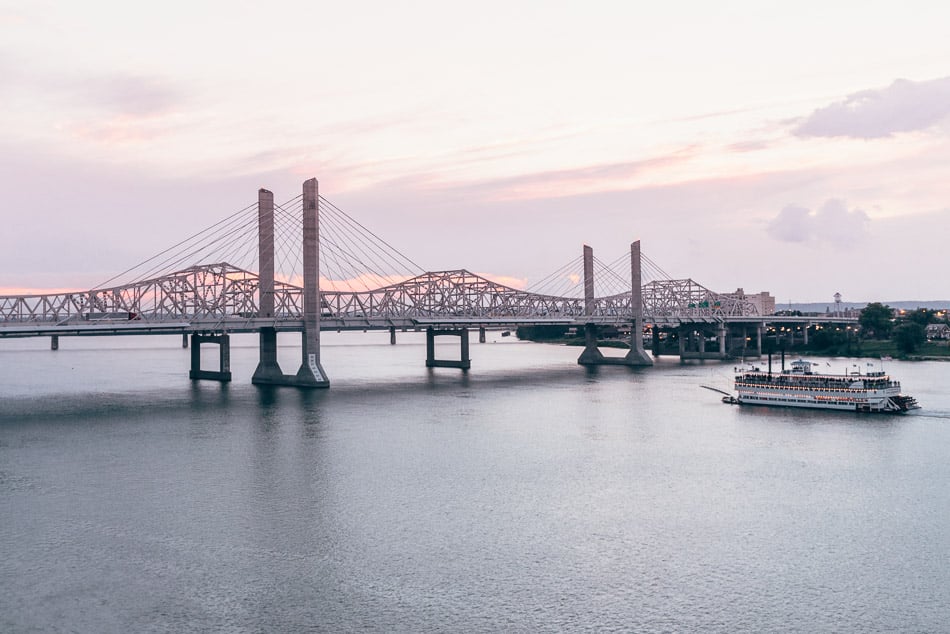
875,319
922,316
909,336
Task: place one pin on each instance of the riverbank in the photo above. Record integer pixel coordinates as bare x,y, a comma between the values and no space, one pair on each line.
869,348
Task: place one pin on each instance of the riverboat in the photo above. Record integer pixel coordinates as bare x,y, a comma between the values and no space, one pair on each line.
801,387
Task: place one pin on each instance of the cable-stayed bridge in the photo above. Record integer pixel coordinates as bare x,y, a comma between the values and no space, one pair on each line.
307,266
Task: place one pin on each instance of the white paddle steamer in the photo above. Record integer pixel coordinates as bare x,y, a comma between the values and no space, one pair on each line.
801,387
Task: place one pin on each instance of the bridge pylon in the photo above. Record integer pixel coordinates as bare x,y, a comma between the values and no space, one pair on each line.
592,355
268,372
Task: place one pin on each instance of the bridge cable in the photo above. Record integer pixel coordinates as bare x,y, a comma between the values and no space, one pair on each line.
287,243
358,242
351,250
175,246
355,222
557,283
354,245
188,257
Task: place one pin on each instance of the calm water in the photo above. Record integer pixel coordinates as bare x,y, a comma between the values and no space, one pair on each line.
525,495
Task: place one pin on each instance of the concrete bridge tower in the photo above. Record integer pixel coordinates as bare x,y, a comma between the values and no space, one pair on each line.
268,372
592,355
637,355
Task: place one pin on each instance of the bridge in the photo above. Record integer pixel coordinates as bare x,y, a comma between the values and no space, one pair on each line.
199,289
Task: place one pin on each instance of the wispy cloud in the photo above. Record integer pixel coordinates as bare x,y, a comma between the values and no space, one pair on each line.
105,108
831,224
130,95
573,181
904,106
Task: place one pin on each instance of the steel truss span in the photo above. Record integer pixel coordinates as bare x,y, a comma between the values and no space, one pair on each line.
224,297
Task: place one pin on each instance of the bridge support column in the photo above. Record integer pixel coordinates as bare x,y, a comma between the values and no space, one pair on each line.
758,340
392,335
721,336
268,371
224,364
463,363
656,341
184,340
311,373
592,354
54,342
481,334
637,355
805,333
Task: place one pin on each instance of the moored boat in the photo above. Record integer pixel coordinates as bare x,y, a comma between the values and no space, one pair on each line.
801,387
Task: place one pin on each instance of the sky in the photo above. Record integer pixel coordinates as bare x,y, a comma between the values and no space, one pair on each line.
796,148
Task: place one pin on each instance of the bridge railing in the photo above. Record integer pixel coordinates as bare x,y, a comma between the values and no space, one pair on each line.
224,292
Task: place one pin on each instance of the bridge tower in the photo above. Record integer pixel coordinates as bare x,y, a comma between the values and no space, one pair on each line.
268,372
592,355
637,354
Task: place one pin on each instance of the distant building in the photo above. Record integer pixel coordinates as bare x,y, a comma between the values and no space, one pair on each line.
938,331
763,302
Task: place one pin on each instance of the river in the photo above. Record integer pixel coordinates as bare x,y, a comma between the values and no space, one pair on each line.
527,494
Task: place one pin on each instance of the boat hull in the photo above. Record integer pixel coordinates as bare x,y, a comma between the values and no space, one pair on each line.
892,404
800,387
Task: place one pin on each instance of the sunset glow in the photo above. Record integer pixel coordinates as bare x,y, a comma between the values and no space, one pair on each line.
498,140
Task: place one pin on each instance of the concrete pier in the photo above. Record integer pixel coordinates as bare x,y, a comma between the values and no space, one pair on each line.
692,342
54,342
184,340
223,373
392,335
268,371
637,355
592,355
481,334
311,372
463,363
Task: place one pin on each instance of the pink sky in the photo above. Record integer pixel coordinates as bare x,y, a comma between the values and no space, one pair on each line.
800,149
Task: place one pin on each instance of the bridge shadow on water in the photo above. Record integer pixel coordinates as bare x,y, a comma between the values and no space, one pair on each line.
197,399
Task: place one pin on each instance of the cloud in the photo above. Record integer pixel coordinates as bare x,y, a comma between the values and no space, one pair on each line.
904,106
595,178
832,224
130,95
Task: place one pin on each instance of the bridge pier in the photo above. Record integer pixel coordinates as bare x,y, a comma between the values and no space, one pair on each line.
637,355
392,335
184,340
223,373
464,363
311,373
54,342
592,355
268,371
481,334
692,342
